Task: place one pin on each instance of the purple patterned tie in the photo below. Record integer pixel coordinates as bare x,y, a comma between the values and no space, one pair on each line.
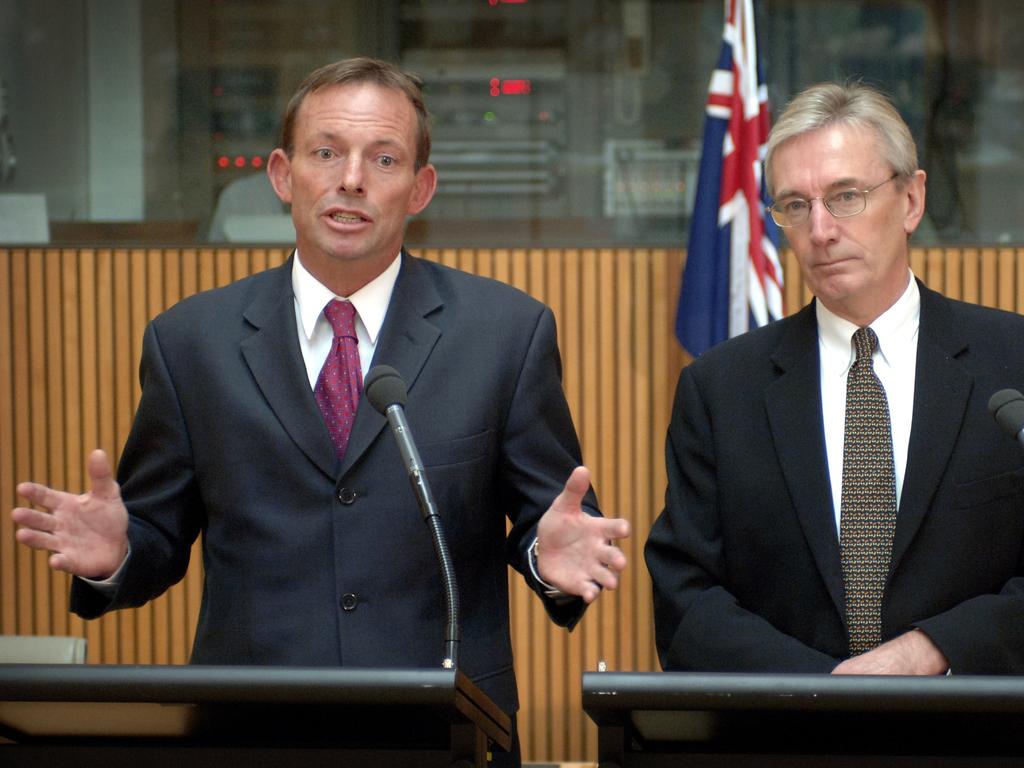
341,379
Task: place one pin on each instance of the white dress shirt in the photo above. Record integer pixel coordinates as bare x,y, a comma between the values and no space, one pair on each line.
895,363
315,333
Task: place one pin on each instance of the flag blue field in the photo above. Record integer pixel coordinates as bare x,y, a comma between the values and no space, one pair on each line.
733,280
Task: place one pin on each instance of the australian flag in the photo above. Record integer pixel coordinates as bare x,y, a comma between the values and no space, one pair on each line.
733,280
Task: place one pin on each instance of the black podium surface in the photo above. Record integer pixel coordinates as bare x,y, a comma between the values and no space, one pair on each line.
740,720
196,716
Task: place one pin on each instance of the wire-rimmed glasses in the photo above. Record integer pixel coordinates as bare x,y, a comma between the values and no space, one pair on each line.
793,211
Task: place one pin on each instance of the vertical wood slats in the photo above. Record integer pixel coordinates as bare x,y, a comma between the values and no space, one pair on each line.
71,323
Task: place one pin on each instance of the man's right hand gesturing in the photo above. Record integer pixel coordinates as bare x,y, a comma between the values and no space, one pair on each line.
86,534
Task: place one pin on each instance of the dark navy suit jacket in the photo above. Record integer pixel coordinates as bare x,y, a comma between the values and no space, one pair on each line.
311,563
745,555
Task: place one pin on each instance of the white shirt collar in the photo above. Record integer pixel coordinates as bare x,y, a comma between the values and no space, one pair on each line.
896,329
371,301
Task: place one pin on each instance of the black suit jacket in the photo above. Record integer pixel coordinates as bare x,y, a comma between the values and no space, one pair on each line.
311,563
745,555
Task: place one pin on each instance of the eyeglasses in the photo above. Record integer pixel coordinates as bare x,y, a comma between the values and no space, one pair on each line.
794,211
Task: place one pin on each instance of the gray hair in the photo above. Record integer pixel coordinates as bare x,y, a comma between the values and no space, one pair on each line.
856,104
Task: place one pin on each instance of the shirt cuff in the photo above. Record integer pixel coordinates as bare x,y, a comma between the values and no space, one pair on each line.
549,591
108,587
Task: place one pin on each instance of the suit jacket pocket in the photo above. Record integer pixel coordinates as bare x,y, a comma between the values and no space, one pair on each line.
980,492
458,450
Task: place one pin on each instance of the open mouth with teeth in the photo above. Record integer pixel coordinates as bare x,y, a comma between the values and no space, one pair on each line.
346,218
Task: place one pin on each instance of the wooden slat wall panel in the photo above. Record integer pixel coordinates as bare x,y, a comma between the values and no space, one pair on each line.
8,467
8,573
71,324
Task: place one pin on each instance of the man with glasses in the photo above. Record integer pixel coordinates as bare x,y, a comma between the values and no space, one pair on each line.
839,499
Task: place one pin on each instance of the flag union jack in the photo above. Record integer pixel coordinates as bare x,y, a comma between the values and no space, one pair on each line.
733,280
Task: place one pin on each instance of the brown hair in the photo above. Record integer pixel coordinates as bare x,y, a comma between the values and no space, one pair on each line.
362,70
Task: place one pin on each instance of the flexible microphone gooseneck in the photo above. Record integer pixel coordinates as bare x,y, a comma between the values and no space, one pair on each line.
387,393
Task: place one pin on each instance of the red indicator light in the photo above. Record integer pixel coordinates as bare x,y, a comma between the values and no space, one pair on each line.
256,162
515,87
240,162
223,161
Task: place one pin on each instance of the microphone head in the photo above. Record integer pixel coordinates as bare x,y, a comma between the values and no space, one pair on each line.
1007,406
384,387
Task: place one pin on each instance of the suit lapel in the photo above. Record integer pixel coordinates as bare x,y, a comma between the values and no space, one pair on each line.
941,391
793,403
273,355
406,340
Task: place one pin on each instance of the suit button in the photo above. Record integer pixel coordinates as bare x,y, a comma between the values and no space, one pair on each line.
349,602
347,496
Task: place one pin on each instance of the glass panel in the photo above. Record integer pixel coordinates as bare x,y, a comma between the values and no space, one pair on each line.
955,73
556,122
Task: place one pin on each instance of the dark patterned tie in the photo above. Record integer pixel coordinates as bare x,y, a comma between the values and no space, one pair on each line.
341,379
868,505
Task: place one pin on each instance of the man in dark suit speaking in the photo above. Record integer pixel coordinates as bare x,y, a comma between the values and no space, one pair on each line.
839,499
252,430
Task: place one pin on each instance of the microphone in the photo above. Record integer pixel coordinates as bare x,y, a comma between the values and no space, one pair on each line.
1007,407
387,393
